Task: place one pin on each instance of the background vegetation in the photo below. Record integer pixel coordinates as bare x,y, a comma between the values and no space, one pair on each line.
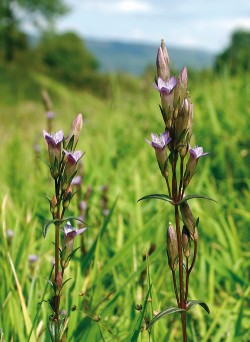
112,279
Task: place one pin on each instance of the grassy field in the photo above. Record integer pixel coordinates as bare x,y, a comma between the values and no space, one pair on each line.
107,283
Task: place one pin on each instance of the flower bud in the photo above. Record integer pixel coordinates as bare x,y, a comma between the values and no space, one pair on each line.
181,88
75,131
188,218
67,197
186,242
184,118
53,205
196,234
59,280
162,62
172,248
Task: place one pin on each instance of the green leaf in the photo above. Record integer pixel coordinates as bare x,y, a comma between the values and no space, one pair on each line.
138,324
157,196
89,256
48,224
192,303
163,314
188,197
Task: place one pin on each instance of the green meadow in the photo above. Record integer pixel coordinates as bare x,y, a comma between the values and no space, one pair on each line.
112,279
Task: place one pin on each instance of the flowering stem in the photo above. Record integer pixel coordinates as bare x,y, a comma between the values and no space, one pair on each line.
182,303
175,288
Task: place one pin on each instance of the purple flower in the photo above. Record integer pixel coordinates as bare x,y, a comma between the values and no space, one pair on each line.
68,243
50,115
165,87
197,152
72,159
159,144
32,258
54,150
70,233
76,181
54,139
167,92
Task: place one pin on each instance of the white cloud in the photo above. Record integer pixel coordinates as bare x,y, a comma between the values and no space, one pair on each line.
121,6
133,6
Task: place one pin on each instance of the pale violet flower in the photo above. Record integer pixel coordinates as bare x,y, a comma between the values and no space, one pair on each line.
165,86
197,152
159,142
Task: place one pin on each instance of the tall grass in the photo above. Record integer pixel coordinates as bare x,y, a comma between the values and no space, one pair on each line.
107,283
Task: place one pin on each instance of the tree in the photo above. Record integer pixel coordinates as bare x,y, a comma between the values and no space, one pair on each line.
65,57
237,56
10,19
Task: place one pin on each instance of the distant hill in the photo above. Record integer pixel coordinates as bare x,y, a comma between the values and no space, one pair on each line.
133,57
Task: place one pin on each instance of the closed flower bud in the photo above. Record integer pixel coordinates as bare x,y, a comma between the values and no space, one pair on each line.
75,131
162,62
59,280
172,248
196,234
184,118
186,242
53,205
188,218
67,197
181,88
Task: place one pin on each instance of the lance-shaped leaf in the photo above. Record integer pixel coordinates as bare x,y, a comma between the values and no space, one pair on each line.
189,197
158,196
193,303
163,314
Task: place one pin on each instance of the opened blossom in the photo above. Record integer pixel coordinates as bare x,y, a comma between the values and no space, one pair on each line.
72,159
166,89
159,144
68,242
54,150
195,154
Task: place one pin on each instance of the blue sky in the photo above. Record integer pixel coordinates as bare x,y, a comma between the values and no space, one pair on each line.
203,24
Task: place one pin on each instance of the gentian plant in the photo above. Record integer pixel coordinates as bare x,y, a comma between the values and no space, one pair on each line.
63,164
178,163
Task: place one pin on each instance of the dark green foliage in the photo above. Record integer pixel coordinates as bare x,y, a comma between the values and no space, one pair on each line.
11,36
65,58
237,56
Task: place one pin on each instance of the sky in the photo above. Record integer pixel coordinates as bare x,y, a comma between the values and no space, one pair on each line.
205,24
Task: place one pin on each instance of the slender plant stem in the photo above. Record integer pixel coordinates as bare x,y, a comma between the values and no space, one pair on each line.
189,270
181,276
175,288
187,278
181,178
